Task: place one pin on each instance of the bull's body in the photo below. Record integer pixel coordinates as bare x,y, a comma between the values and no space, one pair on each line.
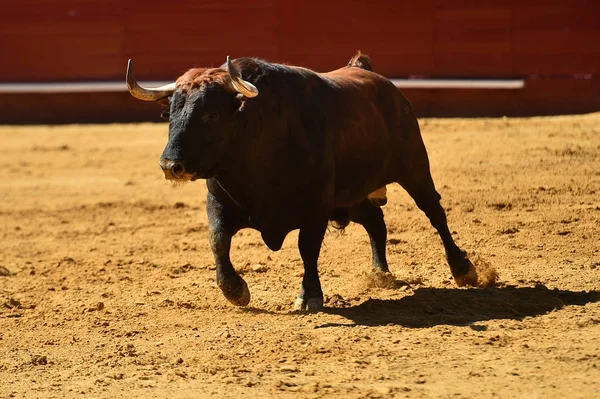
326,141
309,148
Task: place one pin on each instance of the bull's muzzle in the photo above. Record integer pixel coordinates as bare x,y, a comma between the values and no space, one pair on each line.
175,170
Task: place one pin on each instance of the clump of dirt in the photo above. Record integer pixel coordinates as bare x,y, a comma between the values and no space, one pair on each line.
336,300
381,279
487,276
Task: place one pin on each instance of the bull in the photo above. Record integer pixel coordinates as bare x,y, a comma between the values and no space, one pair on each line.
284,148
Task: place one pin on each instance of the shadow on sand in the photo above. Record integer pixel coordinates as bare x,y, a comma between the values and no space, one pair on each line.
435,306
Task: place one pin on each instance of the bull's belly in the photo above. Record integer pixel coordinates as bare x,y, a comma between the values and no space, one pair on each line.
353,188
363,170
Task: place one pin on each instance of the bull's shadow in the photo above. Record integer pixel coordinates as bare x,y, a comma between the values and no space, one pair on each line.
438,306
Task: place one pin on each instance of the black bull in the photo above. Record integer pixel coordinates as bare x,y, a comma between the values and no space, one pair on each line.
285,148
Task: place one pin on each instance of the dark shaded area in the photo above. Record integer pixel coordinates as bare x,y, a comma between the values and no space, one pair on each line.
437,306
63,108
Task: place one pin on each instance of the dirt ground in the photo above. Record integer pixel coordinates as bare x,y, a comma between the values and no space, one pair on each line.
107,285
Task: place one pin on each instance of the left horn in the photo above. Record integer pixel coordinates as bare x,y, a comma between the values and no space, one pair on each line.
145,94
244,87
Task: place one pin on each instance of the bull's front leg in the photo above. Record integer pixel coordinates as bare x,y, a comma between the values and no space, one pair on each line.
222,225
309,244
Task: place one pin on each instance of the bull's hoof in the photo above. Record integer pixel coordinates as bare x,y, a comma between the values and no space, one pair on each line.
237,293
309,305
469,279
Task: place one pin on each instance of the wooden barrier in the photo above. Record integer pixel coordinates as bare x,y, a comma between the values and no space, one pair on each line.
552,46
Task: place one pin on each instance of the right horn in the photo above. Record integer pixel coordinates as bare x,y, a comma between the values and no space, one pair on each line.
141,93
244,87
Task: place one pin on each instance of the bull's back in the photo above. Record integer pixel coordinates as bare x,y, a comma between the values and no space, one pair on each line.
370,126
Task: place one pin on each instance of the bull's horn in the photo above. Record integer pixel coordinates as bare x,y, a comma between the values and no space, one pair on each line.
242,86
141,93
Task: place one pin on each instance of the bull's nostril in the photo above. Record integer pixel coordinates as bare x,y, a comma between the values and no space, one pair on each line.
177,170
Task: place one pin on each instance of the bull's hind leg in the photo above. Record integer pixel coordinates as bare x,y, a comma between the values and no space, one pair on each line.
428,200
222,225
371,217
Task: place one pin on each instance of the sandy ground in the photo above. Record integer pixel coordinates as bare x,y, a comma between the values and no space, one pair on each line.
107,285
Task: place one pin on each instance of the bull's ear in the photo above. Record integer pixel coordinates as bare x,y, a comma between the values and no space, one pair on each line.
239,101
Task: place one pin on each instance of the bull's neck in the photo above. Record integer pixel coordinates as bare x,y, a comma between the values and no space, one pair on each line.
243,173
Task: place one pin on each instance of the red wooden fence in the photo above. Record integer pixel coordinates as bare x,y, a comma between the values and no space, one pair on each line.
553,44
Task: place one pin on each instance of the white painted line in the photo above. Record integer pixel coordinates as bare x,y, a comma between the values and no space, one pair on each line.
71,87
458,84
108,87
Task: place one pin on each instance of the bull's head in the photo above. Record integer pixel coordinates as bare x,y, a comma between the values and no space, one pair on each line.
203,118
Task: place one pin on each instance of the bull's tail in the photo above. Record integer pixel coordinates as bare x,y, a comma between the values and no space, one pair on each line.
361,60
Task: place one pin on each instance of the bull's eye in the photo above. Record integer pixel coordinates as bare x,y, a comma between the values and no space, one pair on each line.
211,117
165,115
